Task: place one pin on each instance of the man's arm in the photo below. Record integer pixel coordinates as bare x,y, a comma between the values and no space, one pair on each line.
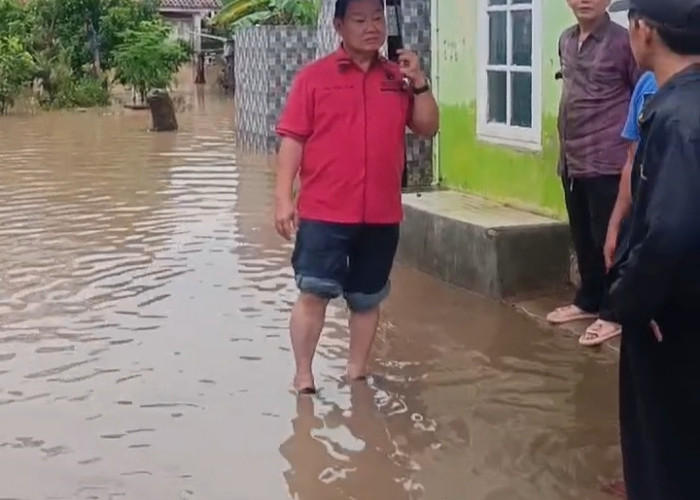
623,204
622,208
425,114
424,119
673,184
295,127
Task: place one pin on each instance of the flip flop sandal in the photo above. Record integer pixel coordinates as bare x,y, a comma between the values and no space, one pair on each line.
558,316
598,333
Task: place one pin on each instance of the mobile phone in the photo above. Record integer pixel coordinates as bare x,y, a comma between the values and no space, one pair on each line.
394,40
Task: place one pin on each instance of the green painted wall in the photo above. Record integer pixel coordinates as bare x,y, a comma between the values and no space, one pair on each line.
521,178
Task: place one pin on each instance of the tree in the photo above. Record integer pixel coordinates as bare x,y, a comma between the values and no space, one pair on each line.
239,13
88,31
147,59
16,70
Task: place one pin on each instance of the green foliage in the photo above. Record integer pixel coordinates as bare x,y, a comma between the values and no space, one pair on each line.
16,70
89,31
73,44
67,92
241,13
12,19
147,59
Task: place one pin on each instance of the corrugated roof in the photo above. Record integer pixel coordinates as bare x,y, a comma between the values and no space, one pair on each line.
191,4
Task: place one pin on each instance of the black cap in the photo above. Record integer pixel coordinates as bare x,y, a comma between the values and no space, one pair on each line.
679,14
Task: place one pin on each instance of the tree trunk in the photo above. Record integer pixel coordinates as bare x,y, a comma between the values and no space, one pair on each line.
162,111
95,46
199,78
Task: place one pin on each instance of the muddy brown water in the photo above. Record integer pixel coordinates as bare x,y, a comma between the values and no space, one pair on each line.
144,354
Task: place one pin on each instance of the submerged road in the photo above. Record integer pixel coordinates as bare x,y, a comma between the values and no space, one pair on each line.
144,354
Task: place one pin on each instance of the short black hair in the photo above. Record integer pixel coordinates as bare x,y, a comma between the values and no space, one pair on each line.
683,42
341,7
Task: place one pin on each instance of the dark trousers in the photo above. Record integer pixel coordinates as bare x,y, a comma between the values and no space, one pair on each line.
589,203
660,411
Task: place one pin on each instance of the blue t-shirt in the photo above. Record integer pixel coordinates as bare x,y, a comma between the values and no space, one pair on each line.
646,87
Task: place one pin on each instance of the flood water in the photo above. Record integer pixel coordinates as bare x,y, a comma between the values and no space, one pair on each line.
144,354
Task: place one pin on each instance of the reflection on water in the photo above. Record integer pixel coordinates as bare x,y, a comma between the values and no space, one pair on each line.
144,300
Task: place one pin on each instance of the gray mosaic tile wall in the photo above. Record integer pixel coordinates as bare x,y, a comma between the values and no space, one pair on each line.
416,33
267,58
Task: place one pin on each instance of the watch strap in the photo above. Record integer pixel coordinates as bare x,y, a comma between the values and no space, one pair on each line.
421,90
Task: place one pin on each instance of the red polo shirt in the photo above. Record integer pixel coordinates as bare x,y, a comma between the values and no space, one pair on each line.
353,127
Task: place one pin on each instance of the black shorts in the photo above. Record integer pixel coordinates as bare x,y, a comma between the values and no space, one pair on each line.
353,260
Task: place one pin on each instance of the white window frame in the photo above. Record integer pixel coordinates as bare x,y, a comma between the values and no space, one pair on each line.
502,133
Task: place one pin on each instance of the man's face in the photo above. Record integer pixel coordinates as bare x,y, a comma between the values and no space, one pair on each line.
364,27
588,10
641,40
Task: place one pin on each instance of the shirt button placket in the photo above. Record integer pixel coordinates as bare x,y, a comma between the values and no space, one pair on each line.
364,145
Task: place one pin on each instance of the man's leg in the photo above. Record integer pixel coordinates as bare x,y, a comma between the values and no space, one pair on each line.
672,408
602,194
371,259
320,265
633,436
305,325
586,303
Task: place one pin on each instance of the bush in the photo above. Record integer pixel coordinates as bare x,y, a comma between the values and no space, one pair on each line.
61,88
85,92
16,70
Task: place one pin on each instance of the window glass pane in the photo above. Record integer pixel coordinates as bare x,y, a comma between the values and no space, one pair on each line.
522,37
521,1
521,99
498,2
497,37
497,96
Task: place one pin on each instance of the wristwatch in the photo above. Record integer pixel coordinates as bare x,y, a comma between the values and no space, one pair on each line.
423,89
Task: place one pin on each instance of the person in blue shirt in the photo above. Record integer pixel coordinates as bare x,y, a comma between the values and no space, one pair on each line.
643,92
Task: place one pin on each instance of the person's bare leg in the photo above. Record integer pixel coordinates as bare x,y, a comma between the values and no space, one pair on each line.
308,315
363,328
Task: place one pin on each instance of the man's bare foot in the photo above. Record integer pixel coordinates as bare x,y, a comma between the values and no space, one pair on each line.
304,384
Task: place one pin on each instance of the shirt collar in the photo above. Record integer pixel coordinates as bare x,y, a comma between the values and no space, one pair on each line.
344,61
689,74
599,32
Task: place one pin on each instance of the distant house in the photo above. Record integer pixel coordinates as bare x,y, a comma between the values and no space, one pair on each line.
186,18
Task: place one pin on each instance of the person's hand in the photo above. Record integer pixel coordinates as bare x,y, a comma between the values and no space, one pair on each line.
285,218
409,63
657,331
610,247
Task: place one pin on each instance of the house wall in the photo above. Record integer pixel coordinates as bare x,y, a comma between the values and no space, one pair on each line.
182,26
523,178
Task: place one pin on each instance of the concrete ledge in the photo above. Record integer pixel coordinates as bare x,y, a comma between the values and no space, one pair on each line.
483,246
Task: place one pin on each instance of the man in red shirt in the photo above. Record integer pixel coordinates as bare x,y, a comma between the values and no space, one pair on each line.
343,132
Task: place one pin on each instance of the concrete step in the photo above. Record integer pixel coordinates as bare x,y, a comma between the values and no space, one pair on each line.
483,246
